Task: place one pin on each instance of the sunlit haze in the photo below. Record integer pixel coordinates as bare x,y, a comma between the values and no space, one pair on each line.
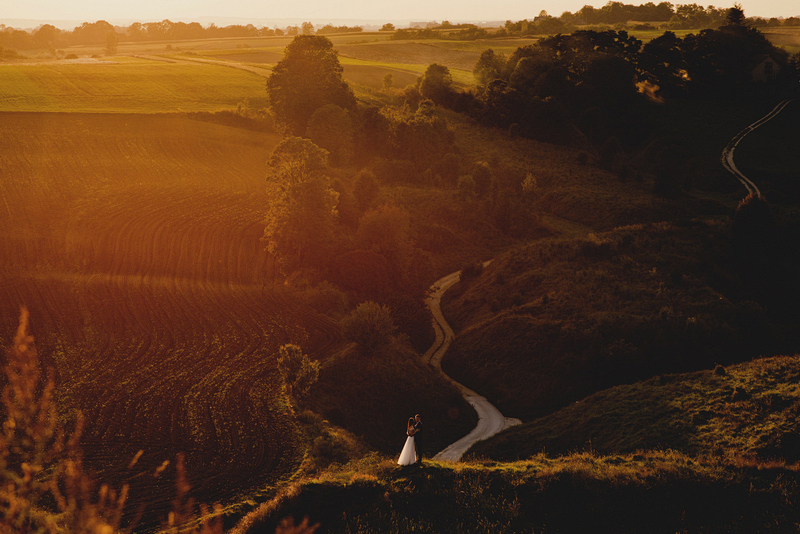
322,10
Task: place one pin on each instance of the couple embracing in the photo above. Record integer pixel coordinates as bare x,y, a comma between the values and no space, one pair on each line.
409,454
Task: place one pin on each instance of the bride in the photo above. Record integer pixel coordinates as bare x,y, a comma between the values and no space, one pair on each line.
409,454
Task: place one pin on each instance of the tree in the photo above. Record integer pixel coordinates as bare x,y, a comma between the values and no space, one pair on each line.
112,40
46,36
308,28
436,83
490,66
365,189
388,81
735,16
301,212
308,77
330,128
387,231
388,27
298,371
370,326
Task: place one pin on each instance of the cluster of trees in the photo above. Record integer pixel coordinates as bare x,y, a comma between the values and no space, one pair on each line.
674,17
596,79
48,36
329,29
326,218
462,32
614,12
622,16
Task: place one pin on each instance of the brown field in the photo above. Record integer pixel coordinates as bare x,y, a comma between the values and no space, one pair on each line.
254,56
134,241
372,76
785,38
410,53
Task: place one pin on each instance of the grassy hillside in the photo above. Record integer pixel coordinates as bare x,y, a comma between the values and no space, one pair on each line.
643,493
746,409
552,321
351,382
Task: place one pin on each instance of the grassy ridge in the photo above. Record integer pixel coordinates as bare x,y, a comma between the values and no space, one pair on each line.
650,492
748,409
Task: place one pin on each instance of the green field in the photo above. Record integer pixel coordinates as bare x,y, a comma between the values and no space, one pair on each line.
203,75
122,85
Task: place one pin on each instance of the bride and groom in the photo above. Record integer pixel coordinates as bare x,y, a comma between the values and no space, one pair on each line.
409,454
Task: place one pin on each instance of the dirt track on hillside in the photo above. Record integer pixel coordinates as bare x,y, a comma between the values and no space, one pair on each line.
727,154
490,420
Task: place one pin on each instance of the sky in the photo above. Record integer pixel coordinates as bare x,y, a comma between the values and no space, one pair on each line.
322,10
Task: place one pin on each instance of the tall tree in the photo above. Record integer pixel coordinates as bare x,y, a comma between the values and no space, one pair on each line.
436,83
490,66
308,77
735,16
301,212
330,128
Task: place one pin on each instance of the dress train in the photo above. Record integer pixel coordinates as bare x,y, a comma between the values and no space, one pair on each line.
409,454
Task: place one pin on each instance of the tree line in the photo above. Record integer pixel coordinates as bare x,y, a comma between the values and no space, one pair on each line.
649,16
48,36
594,83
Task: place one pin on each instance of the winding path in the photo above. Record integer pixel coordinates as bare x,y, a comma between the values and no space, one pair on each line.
490,420
727,154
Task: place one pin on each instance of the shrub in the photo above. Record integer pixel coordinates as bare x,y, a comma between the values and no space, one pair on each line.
297,371
370,326
471,271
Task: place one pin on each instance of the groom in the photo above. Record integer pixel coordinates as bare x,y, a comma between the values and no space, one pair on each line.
417,427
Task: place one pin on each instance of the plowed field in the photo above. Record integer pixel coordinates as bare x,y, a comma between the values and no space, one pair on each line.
134,242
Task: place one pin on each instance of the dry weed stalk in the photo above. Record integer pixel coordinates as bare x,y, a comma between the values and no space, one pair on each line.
37,465
182,518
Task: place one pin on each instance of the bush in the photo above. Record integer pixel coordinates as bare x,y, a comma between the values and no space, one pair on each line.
370,326
297,371
471,271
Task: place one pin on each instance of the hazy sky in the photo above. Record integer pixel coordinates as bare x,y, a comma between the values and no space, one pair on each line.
187,10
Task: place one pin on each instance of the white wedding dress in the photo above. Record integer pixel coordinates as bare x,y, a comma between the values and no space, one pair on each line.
409,454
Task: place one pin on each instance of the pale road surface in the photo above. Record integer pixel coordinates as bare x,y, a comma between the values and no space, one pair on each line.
727,154
490,420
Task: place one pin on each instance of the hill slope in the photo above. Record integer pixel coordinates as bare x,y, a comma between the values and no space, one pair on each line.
746,409
653,493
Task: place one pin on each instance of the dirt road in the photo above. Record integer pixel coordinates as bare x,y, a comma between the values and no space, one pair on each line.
490,420
727,154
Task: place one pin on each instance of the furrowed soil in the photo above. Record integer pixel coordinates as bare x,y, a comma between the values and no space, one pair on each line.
134,242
